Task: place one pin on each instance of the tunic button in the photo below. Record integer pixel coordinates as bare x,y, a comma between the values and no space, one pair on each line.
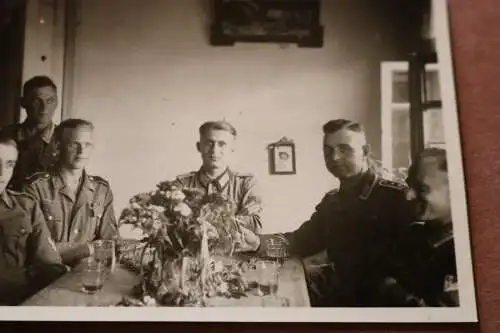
76,231
50,217
23,231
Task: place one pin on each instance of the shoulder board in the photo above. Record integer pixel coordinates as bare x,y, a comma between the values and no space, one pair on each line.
243,174
37,176
393,184
187,175
13,192
21,195
99,180
332,192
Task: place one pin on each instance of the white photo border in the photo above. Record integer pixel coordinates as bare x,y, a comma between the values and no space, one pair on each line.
466,313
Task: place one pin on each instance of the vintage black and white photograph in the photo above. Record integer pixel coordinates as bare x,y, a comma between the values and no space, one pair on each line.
138,173
282,157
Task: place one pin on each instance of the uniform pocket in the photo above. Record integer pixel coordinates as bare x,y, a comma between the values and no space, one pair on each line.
95,211
15,243
53,214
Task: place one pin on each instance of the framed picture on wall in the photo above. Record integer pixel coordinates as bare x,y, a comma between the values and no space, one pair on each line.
283,158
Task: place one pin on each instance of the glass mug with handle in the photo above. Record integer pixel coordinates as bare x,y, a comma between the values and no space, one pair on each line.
277,248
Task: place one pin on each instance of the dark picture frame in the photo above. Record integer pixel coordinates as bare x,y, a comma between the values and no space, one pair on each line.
282,159
271,21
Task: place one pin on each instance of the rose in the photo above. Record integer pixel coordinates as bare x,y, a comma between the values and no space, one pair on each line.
183,209
129,231
177,195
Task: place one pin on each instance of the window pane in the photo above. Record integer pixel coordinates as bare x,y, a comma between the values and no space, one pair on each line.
400,138
432,86
433,128
400,93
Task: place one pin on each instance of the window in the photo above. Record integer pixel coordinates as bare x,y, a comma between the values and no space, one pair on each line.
396,147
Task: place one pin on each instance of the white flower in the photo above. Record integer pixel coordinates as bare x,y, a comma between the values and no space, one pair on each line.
158,209
177,195
223,287
168,194
129,231
183,209
149,301
218,266
135,205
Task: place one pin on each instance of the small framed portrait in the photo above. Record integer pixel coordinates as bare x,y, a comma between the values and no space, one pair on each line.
282,157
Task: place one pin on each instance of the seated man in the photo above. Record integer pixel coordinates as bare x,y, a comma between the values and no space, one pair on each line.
425,270
28,259
34,137
78,208
215,146
354,228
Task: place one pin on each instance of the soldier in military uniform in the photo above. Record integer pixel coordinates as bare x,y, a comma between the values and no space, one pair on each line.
28,259
34,137
78,208
355,226
214,176
424,271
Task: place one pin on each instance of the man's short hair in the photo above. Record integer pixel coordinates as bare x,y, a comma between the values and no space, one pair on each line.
217,125
439,156
71,123
36,82
336,125
8,141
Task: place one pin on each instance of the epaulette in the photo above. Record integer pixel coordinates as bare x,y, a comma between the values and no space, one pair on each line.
187,175
243,174
20,194
393,184
14,192
99,180
37,176
332,192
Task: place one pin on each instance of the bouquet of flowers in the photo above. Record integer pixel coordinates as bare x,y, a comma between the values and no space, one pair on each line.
183,230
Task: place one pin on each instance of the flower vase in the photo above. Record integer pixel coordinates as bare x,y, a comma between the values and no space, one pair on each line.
204,260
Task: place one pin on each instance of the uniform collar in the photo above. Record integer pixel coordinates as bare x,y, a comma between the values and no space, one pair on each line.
439,233
86,184
361,185
6,199
45,134
221,180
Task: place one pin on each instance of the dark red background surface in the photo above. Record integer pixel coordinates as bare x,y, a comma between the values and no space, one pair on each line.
475,28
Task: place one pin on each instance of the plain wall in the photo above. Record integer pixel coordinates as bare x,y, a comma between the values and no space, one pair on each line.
147,77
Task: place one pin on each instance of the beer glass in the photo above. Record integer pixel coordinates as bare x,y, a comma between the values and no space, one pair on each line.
92,276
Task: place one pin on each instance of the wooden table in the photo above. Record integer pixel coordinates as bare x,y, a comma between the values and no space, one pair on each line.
66,290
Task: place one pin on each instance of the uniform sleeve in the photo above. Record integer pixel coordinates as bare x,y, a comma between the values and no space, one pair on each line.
42,248
17,284
251,206
308,239
108,228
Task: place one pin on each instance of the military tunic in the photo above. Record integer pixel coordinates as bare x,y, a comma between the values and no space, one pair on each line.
37,151
29,259
423,263
75,220
242,188
358,227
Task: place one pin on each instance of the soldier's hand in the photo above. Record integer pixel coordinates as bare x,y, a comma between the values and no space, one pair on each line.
249,241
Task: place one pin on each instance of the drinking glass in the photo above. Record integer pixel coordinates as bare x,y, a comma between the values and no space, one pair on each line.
104,251
277,247
267,277
93,274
